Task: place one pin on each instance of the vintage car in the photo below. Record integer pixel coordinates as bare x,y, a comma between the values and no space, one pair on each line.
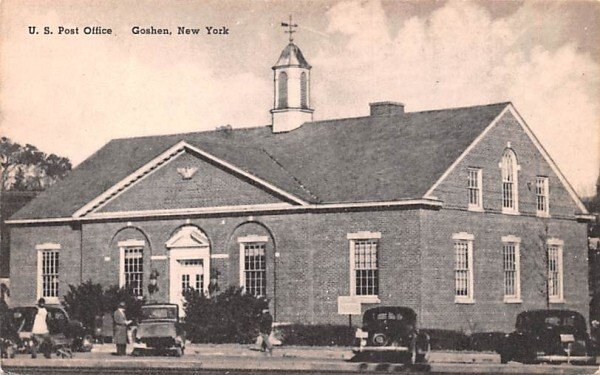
64,332
159,329
548,336
390,332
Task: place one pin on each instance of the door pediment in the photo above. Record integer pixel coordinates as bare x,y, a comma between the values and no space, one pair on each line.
188,237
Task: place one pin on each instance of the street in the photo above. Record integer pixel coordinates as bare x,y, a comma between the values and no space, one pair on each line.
224,360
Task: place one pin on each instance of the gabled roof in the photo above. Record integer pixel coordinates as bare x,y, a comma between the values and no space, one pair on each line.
352,160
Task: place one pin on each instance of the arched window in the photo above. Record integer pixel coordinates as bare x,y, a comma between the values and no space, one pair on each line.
509,181
283,90
303,91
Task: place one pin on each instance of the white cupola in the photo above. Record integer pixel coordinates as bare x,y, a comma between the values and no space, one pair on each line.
291,107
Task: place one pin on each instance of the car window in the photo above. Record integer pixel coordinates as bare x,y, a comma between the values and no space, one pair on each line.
552,320
159,313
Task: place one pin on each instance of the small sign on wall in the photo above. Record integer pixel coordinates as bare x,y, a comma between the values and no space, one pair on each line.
349,305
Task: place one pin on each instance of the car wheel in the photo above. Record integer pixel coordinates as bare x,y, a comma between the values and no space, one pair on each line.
87,342
379,339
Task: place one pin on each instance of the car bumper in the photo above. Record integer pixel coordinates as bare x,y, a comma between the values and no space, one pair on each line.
564,358
380,349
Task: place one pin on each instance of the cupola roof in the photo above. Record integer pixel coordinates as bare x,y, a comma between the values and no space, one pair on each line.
291,56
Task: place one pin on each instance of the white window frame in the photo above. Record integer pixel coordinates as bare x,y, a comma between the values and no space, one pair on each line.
128,244
352,238
468,239
516,243
478,188
514,172
558,244
41,248
542,189
247,240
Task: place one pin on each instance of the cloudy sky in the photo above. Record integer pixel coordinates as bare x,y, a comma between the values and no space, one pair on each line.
70,94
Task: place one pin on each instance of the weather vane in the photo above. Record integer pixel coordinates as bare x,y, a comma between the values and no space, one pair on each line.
291,30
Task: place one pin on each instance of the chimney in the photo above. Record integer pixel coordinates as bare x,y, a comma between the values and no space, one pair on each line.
386,108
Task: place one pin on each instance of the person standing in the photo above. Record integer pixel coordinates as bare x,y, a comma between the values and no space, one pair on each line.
265,325
40,334
120,323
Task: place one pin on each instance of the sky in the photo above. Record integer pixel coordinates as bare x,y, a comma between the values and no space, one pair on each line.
70,94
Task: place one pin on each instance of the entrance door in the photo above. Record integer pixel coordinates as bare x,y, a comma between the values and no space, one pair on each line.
191,275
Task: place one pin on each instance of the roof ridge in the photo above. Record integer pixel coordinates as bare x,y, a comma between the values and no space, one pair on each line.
248,128
302,186
410,113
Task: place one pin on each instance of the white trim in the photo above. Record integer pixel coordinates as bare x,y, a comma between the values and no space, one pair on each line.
560,298
516,241
48,246
516,167
464,236
219,256
40,250
243,241
549,160
253,238
164,158
363,236
468,238
476,207
466,151
131,243
352,238
511,238
585,217
158,257
555,241
431,202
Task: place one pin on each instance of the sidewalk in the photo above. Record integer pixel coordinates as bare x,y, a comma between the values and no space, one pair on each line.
310,352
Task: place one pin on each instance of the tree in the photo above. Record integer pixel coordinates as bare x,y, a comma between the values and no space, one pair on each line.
27,168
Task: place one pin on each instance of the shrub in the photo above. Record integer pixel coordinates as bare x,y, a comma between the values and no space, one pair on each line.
486,341
230,317
133,305
84,302
317,335
444,339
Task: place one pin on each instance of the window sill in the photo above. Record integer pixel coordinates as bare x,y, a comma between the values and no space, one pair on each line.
464,301
367,299
542,214
475,209
506,211
562,300
512,300
51,300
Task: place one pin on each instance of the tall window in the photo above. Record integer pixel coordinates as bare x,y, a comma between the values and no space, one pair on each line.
509,181
512,268
190,278
463,268
366,267
474,183
133,269
542,194
303,91
283,90
555,271
49,273
255,268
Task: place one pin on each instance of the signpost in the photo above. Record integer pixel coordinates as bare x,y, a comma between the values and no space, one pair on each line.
349,305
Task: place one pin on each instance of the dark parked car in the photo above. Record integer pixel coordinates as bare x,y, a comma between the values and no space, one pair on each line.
548,336
159,328
64,332
392,330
